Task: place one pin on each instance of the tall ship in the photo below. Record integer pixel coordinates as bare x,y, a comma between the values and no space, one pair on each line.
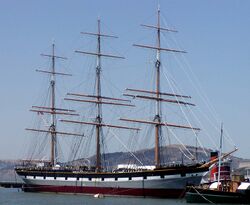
150,180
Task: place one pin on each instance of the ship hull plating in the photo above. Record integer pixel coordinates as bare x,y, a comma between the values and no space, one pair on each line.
164,186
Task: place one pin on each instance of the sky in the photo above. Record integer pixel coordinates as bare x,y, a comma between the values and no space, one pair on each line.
216,35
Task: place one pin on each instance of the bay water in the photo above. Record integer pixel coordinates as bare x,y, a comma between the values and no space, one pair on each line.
17,197
10,196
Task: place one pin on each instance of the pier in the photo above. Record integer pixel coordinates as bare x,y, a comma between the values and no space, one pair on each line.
11,184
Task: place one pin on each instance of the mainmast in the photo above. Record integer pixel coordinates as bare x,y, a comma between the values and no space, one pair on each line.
98,99
156,94
53,154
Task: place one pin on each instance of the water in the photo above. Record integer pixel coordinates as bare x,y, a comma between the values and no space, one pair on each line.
17,197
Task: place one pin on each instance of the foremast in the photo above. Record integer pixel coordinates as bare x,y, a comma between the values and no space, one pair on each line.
52,109
99,99
157,95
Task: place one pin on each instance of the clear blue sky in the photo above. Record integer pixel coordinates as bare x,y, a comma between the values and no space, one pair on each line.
216,35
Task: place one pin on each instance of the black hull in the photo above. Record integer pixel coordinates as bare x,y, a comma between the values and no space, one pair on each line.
196,195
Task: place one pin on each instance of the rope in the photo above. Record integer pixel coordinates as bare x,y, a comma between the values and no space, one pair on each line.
132,154
200,92
202,195
181,143
178,102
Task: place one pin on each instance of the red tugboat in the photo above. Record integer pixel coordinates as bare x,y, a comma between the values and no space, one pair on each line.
222,187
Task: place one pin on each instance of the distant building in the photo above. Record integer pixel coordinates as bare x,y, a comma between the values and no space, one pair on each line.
244,168
244,164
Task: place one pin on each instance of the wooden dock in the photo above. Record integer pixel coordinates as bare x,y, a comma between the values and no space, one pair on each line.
11,184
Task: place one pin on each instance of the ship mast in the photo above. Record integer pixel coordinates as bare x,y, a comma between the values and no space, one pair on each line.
220,154
53,154
158,102
99,100
52,109
98,94
156,94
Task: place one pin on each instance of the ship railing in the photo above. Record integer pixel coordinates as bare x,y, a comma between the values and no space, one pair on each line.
125,170
179,164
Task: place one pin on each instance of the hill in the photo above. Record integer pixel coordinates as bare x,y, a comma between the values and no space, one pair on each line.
170,155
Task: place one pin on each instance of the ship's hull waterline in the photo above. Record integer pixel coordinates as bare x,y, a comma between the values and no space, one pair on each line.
139,184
